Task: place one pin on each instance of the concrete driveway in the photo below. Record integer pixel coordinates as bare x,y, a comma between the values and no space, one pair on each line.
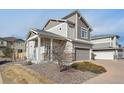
114,74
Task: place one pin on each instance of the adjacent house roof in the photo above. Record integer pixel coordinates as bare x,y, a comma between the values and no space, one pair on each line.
103,36
12,39
2,38
81,17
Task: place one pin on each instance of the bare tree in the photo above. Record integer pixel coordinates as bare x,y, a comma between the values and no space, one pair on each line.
59,54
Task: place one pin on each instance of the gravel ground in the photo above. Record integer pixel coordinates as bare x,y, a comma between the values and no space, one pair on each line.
51,71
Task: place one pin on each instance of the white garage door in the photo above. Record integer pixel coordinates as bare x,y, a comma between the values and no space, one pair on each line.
104,54
82,54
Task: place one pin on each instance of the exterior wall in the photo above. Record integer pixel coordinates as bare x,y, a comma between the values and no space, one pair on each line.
105,42
101,45
69,51
72,19
82,45
115,42
102,40
3,43
60,29
71,31
82,24
52,24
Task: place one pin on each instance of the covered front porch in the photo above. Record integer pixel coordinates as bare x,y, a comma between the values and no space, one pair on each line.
40,45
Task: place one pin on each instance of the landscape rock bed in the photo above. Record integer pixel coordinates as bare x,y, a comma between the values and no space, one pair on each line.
52,72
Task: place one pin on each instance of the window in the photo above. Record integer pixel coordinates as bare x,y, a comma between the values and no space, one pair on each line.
1,42
84,33
19,50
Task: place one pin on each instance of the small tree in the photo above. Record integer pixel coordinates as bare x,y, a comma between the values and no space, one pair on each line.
59,54
8,52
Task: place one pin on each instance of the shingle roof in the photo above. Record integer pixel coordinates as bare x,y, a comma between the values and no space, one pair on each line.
12,39
48,34
103,36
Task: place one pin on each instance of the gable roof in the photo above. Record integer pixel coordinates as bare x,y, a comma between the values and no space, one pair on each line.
103,36
11,39
45,34
81,17
58,20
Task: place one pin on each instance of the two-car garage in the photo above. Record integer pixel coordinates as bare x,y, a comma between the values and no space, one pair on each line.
104,54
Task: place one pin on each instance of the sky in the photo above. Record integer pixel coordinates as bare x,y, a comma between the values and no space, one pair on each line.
17,23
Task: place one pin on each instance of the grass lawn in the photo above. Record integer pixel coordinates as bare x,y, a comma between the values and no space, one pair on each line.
88,66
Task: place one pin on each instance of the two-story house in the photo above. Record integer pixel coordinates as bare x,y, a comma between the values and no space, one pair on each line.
106,47
72,29
3,45
18,47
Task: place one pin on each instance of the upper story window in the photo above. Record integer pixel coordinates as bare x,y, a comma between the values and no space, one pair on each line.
84,33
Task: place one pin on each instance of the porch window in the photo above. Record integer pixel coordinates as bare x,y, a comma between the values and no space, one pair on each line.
84,33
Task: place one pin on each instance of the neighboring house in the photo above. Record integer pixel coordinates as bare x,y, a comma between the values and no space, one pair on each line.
3,45
72,29
18,46
106,47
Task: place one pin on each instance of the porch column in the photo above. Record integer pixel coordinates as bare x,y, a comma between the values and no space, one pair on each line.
51,49
27,49
90,54
39,44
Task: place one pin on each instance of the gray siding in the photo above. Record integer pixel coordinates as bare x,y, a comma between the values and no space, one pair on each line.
82,45
82,24
72,19
71,31
102,45
51,24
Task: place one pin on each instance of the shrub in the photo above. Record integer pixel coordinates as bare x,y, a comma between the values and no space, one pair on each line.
88,66
29,63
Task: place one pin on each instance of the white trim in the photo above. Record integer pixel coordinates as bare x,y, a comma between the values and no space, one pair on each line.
39,44
85,28
33,37
90,54
56,26
51,49
110,42
66,30
86,37
76,25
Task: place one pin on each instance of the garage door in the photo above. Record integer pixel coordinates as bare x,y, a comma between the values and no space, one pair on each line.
104,54
82,54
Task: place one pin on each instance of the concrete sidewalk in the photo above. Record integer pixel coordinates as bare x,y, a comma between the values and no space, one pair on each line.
114,74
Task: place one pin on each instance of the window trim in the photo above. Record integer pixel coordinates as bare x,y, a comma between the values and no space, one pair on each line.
85,31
